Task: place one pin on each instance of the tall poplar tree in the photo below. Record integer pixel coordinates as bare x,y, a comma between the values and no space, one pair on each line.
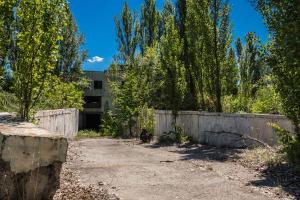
168,10
220,40
149,29
230,74
71,54
172,67
127,36
191,99
197,34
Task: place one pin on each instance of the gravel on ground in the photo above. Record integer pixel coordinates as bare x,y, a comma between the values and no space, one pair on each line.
125,169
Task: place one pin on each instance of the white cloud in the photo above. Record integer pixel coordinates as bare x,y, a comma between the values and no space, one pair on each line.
95,59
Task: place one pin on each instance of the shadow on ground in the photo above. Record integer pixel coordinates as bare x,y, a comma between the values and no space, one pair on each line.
282,176
203,152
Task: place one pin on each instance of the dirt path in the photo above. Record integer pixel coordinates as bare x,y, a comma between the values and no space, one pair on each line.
146,172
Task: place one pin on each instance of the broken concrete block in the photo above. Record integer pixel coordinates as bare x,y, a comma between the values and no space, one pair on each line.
30,160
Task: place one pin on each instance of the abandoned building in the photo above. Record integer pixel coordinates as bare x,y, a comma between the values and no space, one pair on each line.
97,101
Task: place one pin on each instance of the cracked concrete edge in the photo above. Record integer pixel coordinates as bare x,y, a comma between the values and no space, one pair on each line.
25,149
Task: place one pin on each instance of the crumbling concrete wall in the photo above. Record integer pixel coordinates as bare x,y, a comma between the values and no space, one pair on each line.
64,122
30,160
220,129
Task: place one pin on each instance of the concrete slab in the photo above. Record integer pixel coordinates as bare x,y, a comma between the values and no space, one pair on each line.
30,160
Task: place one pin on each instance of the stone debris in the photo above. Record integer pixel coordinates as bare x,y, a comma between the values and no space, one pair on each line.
71,189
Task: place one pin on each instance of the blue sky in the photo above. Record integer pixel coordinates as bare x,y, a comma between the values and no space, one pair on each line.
95,19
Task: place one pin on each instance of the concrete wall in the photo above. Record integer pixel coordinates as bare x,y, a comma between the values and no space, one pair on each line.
65,122
30,160
223,129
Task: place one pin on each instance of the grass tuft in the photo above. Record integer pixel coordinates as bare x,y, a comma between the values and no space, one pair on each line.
88,134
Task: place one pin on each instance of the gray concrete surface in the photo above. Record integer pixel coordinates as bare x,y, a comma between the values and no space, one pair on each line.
65,121
30,160
146,172
222,129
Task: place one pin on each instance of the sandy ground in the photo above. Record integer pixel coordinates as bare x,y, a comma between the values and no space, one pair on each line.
147,172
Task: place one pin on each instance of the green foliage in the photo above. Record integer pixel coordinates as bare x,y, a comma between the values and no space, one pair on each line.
127,29
149,23
178,136
110,125
290,144
40,52
150,78
8,102
251,68
186,61
146,119
207,60
88,134
267,101
59,95
231,104
6,29
125,99
230,75
283,21
38,34
71,55
172,68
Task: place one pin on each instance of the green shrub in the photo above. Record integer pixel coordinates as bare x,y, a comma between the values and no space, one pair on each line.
110,125
173,137
267,101
290,144
146,119
230,104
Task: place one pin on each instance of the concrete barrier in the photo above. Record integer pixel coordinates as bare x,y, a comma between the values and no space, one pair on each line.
219,129
65,121
30,160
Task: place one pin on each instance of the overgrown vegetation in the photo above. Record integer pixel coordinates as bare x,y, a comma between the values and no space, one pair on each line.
88,134
169,138
183,58
8,102
40,57
283,19
290,144
110,125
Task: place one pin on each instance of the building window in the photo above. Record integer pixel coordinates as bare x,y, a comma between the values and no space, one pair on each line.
98,85
92,102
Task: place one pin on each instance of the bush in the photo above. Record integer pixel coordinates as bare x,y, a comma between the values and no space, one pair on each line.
146,119
290,144
230,104
110,125
267,101
173,137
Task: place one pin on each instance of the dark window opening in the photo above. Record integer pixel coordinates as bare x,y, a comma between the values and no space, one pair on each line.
98,85
92,102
